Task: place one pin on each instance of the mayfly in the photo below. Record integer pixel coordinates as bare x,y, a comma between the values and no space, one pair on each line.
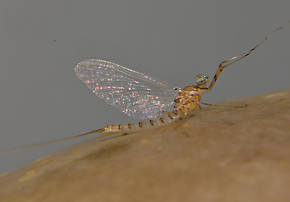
142,97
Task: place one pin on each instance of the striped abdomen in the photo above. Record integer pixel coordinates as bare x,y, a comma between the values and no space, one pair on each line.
132,127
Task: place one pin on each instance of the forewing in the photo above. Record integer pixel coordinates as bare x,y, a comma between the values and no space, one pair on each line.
135,94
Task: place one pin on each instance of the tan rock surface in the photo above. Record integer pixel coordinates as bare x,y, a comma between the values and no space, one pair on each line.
233,153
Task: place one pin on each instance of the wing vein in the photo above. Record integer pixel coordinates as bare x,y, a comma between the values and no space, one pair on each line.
134,93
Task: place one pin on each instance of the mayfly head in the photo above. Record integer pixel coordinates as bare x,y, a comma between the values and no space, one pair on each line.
201,80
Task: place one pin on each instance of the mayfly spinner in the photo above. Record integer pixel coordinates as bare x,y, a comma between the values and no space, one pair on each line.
142,97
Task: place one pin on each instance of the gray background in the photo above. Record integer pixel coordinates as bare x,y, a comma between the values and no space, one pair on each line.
41,41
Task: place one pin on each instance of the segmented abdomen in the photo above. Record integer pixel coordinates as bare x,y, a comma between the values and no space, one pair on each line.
132,127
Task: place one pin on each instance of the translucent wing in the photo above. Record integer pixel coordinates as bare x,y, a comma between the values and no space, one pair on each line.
135,94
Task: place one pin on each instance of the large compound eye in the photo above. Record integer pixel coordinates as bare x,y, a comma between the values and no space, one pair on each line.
201,79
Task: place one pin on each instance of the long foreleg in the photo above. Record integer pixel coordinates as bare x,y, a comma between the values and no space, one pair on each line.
232,60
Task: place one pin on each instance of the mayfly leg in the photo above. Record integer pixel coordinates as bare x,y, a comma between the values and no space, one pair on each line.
225,105
234,59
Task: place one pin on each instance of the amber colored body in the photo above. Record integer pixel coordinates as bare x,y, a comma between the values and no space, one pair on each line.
188,99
